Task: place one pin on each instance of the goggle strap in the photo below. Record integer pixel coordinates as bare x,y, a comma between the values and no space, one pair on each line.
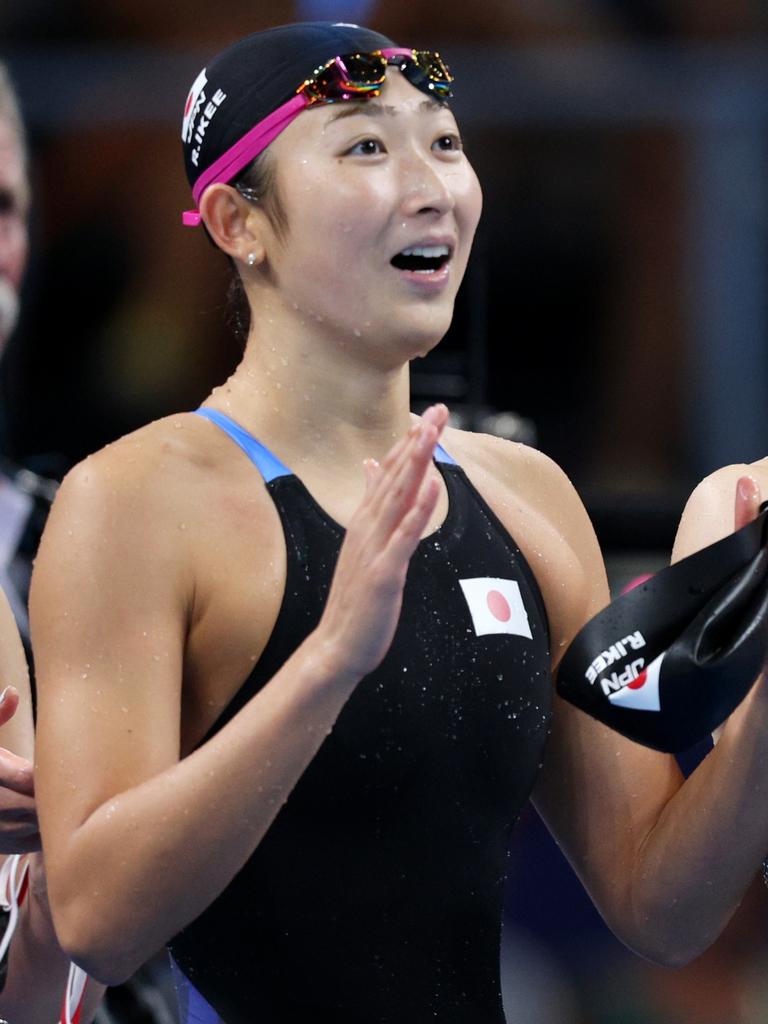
396,51
244,150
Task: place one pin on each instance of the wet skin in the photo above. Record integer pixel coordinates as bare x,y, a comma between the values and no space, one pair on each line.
175,525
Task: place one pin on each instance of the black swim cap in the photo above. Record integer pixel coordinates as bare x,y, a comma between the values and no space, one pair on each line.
667,662
248,81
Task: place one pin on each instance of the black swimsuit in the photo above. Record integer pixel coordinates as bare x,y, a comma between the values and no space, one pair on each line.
375,896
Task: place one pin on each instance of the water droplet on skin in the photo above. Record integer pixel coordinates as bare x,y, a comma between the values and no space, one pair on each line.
182,526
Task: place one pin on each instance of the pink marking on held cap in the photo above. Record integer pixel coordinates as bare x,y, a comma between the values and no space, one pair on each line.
639,683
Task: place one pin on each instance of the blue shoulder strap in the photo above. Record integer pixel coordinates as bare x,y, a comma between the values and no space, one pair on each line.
267,464
441,455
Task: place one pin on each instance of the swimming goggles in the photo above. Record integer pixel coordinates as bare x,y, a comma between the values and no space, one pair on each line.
351,76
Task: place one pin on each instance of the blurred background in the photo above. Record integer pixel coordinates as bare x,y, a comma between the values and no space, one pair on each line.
614,314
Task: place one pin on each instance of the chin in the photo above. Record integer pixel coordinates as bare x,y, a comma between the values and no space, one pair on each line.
426,332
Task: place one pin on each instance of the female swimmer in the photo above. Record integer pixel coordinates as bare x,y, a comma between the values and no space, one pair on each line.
289,710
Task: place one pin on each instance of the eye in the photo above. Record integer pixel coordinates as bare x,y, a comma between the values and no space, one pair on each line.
450,142
366,147
7,202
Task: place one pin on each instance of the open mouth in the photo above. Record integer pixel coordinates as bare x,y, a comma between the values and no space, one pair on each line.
422,259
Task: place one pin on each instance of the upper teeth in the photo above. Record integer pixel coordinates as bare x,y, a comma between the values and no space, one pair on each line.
429,251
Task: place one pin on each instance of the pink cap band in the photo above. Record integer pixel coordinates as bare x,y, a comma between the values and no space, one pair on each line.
244,150
254,142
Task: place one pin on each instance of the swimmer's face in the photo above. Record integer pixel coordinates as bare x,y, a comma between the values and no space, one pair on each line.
14,202
381,205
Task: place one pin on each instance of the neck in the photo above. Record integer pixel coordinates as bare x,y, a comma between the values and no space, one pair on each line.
315,399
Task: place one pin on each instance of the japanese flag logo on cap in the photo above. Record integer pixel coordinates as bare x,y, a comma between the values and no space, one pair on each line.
642,693
192,106
496,606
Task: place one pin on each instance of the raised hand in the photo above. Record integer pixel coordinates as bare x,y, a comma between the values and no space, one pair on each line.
18,816
364,602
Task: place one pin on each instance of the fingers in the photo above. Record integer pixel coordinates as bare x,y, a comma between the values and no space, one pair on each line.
9,702
403,470
371,467
16,773
407,535
747,501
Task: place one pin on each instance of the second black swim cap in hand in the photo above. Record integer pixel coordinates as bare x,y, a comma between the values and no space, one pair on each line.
668,662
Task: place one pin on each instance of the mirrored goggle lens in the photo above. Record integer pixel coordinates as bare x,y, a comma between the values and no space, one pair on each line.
427,71
354,73
433,66
361,74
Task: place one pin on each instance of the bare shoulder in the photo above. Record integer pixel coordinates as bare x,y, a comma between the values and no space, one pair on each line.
524,478
115,520
158,478
539,506
148,464
708,515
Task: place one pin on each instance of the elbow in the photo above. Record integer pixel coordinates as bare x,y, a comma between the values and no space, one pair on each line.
665,939
97,949
665,954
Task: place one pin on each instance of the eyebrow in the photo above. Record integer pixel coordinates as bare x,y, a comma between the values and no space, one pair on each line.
375,109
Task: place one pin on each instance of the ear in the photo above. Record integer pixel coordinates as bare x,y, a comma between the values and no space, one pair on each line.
234,224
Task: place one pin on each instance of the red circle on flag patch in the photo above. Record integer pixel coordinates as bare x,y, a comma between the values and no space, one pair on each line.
640,681
499,606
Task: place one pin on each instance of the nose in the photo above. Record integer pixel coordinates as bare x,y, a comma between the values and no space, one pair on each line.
426,187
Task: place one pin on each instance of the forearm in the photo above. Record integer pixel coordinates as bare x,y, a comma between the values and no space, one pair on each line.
150,860
696,863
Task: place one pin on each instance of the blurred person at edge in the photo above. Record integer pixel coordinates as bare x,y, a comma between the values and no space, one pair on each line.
33,974
25,497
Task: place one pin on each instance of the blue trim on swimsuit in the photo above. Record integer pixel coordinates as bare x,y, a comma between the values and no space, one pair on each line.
193,1009
268,464
441,455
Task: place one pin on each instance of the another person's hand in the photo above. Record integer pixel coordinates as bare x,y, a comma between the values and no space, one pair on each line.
19,831
364,602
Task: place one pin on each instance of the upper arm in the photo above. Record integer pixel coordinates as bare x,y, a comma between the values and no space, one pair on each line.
108,623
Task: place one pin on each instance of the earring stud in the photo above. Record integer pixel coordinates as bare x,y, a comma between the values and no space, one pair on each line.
251,259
